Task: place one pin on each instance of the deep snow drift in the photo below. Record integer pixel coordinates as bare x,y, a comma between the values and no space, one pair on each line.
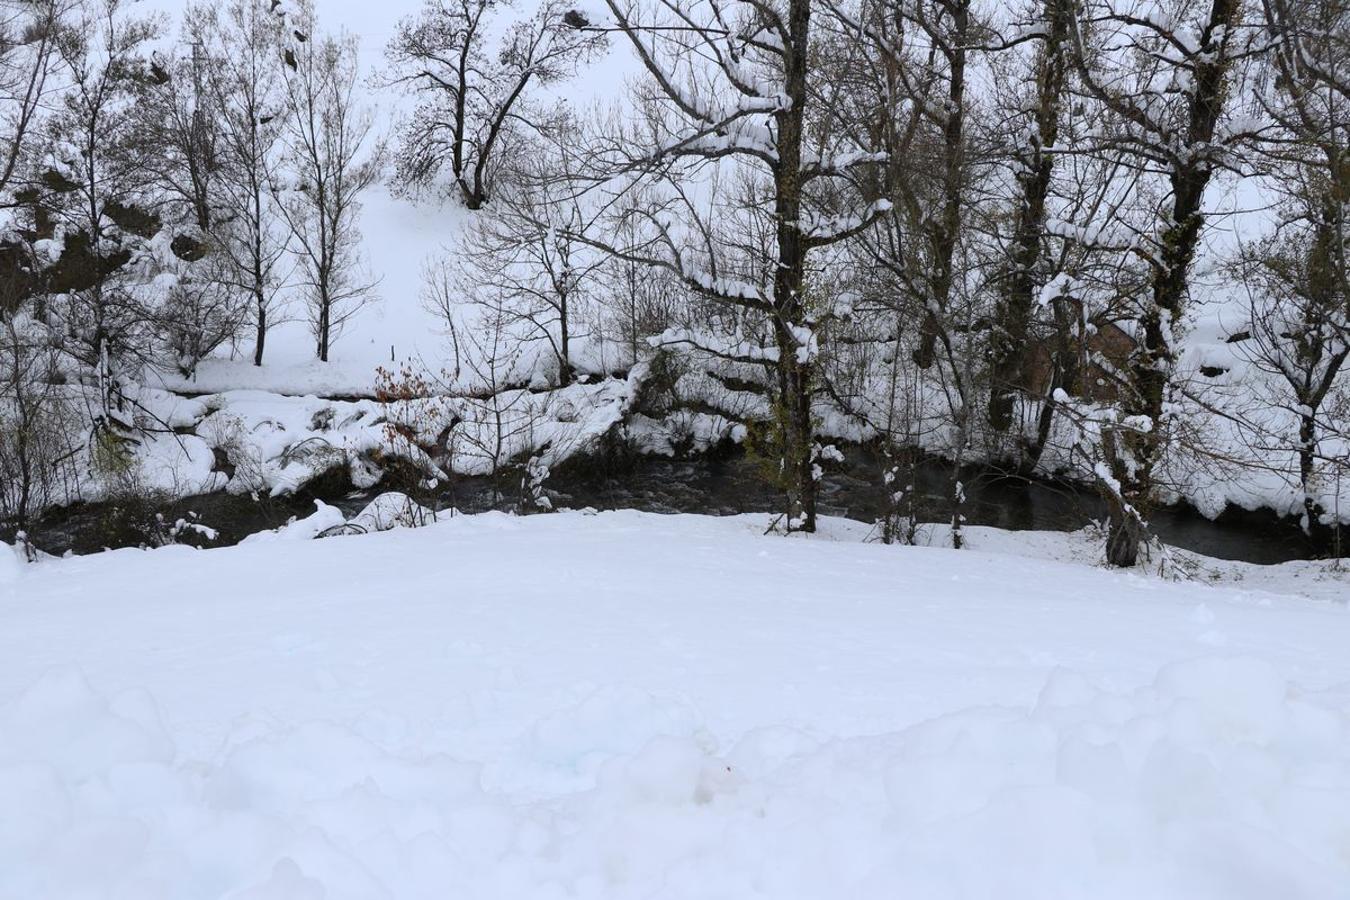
628,705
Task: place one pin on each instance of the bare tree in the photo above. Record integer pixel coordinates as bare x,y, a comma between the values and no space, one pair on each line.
1033,162
922,258
496,416
1297,279
199,308
1164,76
529,249
30,36
922,49
475,99
1299,329
248,101
38,424
332,158
638,301
93,198
731,97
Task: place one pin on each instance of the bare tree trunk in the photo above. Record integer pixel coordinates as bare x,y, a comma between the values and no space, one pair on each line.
324,327
1018,297
794,368
1188,149
261,340
564,340
944,230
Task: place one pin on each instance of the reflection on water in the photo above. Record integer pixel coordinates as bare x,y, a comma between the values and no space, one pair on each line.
723,487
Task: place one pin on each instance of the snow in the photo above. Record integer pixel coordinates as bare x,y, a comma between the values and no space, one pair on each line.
322,519
392,509
10,564
681,431
625,705
276,444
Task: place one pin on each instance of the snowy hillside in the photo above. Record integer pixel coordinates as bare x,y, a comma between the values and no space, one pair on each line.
624,705
399,237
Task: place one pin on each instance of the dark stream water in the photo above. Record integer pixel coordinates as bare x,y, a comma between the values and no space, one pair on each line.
729,486
717,486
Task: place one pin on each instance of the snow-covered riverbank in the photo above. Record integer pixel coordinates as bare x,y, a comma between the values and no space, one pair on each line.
627,705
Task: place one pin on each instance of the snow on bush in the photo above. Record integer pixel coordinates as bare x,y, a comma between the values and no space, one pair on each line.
682,431
279,444
1218,780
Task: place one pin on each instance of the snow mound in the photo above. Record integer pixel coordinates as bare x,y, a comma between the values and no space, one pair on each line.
323,518
390,510
1218,780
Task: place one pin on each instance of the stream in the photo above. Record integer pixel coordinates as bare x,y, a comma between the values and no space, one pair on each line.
710,485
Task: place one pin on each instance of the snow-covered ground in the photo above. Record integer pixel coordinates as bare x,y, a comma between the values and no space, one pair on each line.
628,705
